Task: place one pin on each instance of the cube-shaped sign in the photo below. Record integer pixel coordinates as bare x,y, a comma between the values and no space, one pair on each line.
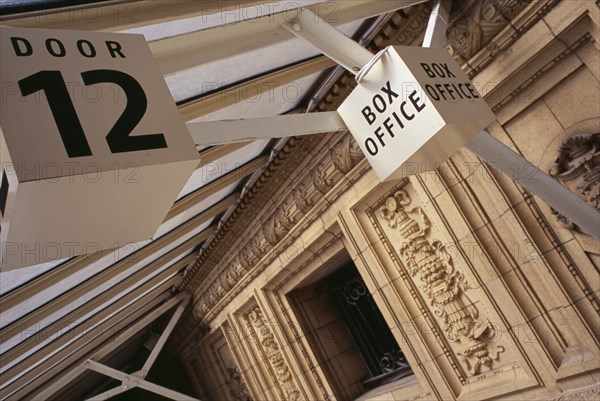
93,149
413,110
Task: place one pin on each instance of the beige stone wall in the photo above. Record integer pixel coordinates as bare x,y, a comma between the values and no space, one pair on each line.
487,293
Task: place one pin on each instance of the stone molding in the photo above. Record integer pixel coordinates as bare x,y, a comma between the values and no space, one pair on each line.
444,286
268,347
480,31
238,389
589,393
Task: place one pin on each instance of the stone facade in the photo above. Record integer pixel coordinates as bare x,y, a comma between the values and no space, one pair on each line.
489,293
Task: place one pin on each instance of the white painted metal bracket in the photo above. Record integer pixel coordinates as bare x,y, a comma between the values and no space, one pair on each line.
228,131
129,381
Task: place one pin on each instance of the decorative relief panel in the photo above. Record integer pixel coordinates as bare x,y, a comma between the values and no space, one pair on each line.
443,285
476,22
346,154
591,393
477,31
578,167
270,349
238,389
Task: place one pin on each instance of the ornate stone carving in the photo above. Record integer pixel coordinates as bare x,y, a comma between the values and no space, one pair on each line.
587,394
578,167
474,24
237,389
322,180
301,199
251,253
442,283
279,225
269,347
346,154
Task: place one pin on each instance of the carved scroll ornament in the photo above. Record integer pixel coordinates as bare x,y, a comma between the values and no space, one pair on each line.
578,167
444,286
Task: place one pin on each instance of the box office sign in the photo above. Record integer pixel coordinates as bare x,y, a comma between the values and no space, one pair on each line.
412,110
93,149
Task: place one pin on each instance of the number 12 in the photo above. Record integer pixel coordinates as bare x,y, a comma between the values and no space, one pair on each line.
67,121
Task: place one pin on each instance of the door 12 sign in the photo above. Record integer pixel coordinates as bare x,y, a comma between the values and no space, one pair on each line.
414,109
82,111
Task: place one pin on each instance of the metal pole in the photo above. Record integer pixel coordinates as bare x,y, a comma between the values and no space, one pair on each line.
108,347
164,336
249,129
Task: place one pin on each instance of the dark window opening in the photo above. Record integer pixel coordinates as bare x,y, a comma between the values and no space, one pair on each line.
351,340
368,328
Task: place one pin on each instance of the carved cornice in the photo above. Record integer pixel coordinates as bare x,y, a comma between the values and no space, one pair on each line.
482,30
578,167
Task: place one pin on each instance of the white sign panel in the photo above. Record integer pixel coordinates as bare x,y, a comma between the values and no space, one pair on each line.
93,149
413,110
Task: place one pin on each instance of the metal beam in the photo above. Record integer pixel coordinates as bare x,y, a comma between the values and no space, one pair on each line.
435,33
151,358
226,131
181,52
215,186
108,347
120,15
130,381
205,45
331,42
252,88
121,266
108,394
164,336
61,337
83,346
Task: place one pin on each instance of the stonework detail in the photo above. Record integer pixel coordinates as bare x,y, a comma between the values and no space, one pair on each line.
279,225
480,31
270,349
578,167
444,286
476,24
238,389
587,394
346,154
